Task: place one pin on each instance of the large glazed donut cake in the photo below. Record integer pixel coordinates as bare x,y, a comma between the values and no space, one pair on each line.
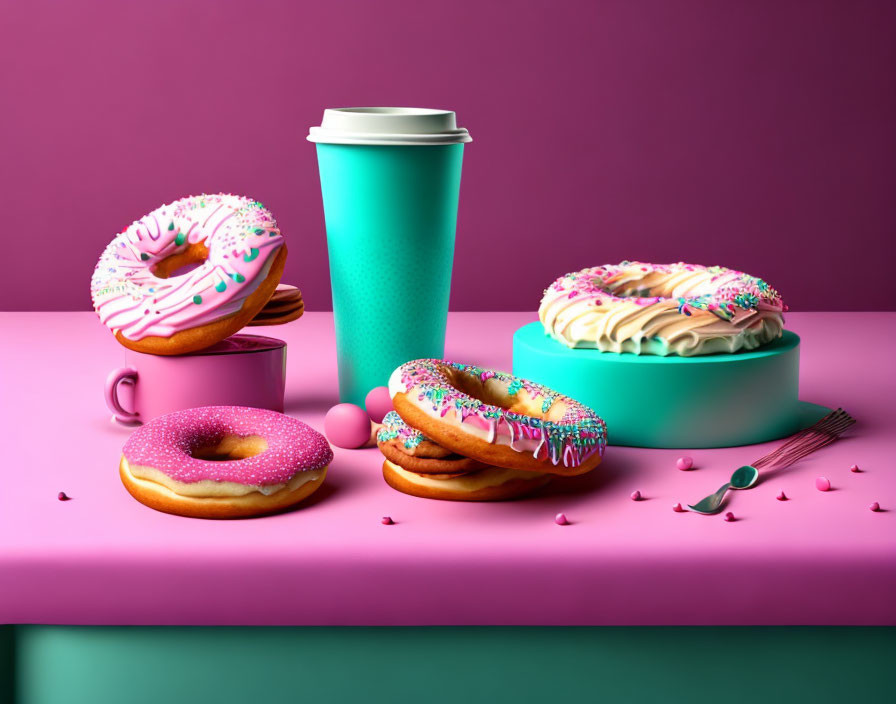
467,433
662,309
150,308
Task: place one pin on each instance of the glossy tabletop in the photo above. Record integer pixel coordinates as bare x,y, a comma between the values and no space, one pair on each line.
103,558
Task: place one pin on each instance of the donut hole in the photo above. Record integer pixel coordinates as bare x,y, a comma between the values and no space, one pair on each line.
230,448
649,285
181,262
494,392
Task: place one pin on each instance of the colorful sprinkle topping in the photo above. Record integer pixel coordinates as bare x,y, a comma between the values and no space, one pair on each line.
647,284
236,232
570,439
683,309
395,427
168,443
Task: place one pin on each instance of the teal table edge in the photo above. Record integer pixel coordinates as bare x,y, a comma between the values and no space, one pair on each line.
74,664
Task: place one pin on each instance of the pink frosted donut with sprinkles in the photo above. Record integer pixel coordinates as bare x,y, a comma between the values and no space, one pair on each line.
662,309
139,292
496,418
223,462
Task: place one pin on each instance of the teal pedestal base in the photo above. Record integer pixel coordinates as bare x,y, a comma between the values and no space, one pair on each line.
96,665
719,400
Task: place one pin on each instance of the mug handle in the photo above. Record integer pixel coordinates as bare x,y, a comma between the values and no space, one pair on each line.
111,391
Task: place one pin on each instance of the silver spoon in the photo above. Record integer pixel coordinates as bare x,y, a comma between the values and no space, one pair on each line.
743,478
805,442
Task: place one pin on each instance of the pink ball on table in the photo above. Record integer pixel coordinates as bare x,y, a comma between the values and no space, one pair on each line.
347,425
378,403
684,463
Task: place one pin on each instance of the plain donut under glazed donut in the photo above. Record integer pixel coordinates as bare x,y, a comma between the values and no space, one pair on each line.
490,484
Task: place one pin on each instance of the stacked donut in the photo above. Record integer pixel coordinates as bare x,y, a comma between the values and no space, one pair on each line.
214,461
284,306
464,433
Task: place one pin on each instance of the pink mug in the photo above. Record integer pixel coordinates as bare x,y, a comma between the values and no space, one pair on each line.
243,370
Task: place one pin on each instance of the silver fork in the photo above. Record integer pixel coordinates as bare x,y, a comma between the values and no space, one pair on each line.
813,438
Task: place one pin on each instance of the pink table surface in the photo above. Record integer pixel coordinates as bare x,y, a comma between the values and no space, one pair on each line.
102,558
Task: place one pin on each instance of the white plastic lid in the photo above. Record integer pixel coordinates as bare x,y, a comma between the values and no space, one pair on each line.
388,126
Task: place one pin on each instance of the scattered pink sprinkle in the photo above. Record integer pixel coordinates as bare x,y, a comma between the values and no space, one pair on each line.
875,506
62,496
823,484
677,508
729,517
636,496
781,497
684,463
855,468
560,519
387,521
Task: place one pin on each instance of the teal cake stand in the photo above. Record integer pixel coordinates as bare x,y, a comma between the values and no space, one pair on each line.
718,400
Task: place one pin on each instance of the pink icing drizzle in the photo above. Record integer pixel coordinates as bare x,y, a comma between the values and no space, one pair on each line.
166,443
242,238
571,440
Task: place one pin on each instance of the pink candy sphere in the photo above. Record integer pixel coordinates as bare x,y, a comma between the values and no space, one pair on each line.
823,484
684,463
378,403
347,425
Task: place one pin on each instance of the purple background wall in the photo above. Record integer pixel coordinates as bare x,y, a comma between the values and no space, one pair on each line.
758,135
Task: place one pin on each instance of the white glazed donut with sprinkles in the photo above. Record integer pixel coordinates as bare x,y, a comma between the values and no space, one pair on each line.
139,294
662,309
496,418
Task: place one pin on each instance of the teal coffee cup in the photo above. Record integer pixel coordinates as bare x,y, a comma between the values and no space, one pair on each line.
390,179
